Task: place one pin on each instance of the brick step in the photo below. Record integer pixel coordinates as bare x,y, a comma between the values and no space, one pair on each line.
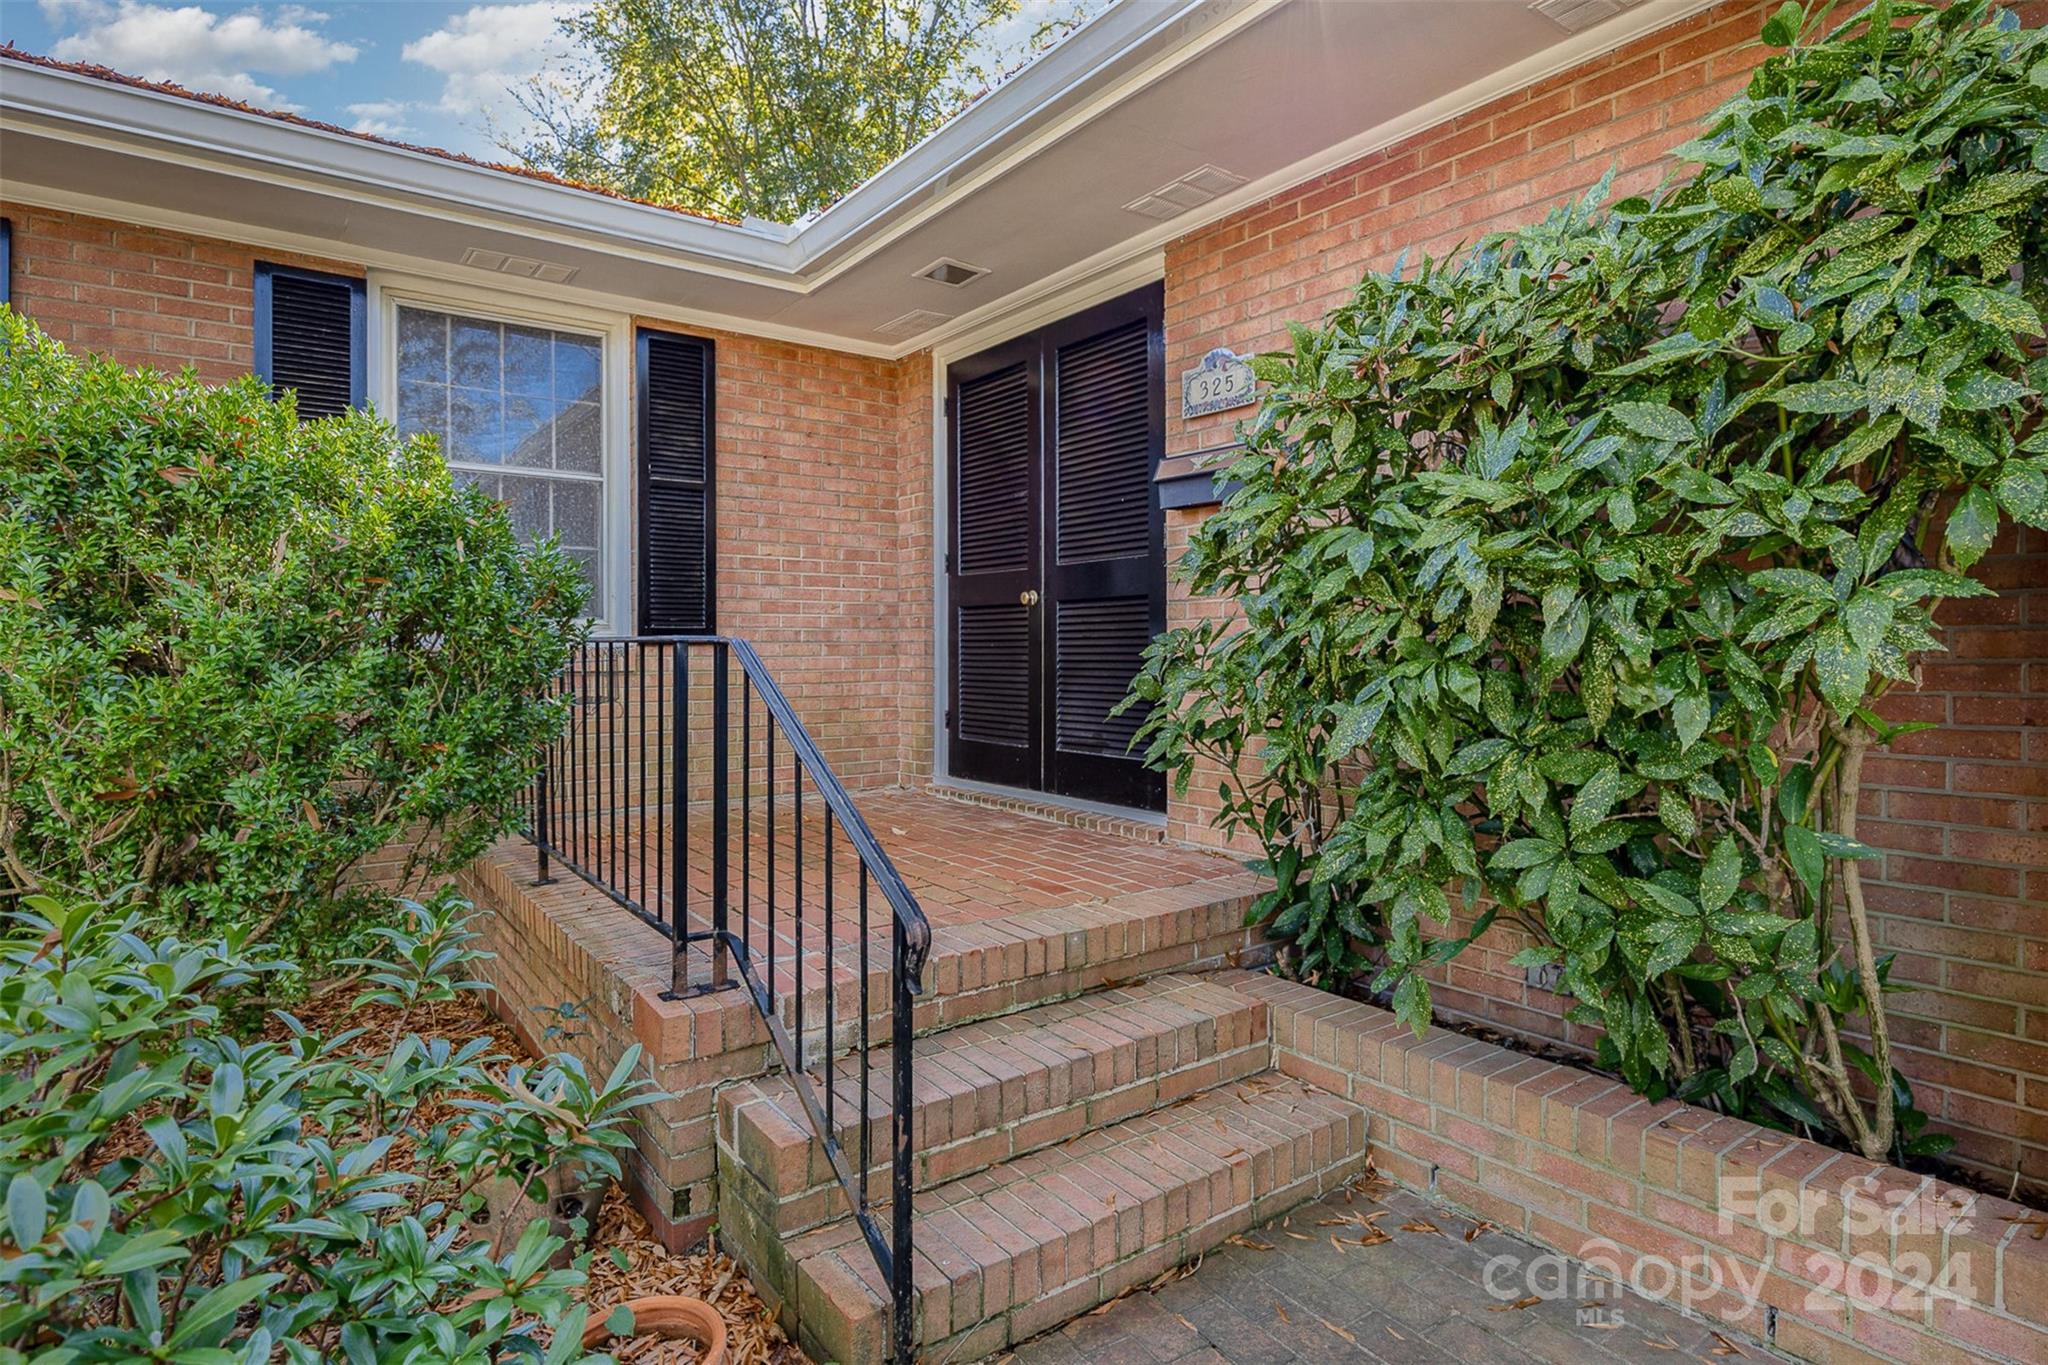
996,967
990,1091
1024,1246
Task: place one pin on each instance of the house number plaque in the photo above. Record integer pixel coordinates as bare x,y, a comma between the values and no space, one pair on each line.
1221,382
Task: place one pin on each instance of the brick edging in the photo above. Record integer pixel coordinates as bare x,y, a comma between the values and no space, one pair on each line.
1825,1255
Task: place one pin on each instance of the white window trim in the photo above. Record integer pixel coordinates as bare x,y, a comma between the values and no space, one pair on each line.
612,610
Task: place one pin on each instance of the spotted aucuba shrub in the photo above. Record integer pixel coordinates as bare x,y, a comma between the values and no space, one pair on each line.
244,653
175,1192
1572,571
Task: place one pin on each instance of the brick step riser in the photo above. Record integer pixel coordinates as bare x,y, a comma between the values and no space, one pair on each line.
1016,1251
970,986
821,1201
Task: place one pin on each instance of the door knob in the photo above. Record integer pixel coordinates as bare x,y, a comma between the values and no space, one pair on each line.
1029,597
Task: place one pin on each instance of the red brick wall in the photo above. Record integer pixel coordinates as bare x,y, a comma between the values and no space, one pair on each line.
1826,1256
1963,897
823,480
823,467
141,296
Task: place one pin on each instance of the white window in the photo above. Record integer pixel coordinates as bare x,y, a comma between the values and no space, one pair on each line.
519,409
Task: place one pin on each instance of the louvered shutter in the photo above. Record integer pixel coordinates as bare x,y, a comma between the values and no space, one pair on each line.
676,530
309,337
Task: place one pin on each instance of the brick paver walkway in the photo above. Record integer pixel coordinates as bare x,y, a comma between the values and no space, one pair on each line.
1285,1293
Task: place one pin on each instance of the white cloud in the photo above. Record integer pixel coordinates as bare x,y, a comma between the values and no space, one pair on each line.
485,51
381,118
221,53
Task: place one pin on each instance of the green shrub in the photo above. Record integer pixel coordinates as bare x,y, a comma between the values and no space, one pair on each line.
175,1193
243,653
1601,544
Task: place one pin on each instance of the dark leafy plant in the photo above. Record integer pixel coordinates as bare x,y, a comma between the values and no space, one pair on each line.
1572,572
176,1193
243,654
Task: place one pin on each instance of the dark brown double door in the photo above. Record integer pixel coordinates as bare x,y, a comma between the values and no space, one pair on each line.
1057,572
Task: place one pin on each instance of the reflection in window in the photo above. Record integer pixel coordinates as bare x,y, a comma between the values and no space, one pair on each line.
515,409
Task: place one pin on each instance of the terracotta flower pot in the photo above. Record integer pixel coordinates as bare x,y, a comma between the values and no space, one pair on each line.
671,1317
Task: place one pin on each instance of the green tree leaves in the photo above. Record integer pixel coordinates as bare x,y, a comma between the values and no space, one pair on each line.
769,108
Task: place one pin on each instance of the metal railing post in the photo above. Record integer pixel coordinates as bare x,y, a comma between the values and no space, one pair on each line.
720,795
542,834
902,1290
679,817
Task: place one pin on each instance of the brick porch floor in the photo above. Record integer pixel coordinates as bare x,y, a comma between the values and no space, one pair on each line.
967,864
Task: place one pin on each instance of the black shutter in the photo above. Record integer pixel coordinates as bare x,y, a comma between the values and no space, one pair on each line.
6,260
309,337
675,375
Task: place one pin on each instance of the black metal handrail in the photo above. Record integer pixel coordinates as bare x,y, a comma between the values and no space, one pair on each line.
619,802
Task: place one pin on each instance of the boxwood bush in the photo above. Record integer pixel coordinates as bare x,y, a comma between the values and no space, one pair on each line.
243,653
1573,570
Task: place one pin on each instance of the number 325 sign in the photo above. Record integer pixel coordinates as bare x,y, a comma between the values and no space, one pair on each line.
1219,383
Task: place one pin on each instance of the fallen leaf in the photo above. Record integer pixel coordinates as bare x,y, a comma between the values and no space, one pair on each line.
1530,1302
175,475
1422,1225
1280,1312
1338,1330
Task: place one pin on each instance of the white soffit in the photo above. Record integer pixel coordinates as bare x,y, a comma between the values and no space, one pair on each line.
1198,105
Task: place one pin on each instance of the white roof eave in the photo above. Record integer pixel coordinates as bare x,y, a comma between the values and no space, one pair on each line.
783,256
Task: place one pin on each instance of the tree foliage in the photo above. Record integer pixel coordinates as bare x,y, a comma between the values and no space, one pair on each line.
1572,570
768,108
175,1193
242,654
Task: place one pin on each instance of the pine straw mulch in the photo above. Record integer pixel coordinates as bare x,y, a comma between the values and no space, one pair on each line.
627,1263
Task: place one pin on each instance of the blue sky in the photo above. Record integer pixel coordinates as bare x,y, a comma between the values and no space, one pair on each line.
421,71
417,70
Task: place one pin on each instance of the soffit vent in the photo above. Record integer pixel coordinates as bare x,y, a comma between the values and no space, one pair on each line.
911,323
525,267
1176,197
948,271
1576,16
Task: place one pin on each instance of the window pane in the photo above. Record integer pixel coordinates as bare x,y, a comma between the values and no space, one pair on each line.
473,426
527,432
423,410
529,363
474,354
579,437
526,500
512,397
422,347
576,513
576,369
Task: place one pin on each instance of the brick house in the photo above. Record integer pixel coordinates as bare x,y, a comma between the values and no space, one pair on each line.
931,452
